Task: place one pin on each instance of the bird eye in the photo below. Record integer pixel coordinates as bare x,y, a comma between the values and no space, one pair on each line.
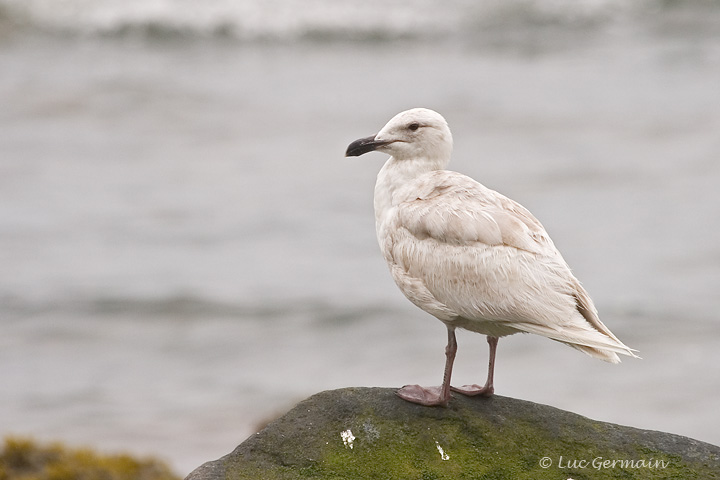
414,126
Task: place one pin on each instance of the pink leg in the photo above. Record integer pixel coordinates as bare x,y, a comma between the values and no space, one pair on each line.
488,389
431,396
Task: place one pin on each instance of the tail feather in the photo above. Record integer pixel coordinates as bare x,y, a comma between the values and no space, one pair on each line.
603,355
584,338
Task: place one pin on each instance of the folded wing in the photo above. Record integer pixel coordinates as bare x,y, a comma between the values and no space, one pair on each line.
490,261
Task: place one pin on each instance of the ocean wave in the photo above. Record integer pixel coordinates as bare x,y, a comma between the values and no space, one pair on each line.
189,307
295,20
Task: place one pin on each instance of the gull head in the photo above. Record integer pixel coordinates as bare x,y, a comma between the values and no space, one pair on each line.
418,133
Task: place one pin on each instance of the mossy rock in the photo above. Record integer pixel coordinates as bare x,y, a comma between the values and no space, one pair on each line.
23,459
369,433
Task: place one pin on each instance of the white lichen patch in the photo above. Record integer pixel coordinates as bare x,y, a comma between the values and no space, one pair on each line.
443,455
348,438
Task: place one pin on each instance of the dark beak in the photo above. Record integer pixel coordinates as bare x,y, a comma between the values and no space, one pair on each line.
364,145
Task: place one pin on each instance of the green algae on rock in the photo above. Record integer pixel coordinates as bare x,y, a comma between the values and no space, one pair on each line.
23,459
364,433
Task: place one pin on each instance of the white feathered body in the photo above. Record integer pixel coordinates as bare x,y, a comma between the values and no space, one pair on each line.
477,260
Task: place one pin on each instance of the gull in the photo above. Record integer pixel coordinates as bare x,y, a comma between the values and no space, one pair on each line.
469,256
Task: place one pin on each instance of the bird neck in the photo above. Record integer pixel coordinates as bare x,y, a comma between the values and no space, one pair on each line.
393,176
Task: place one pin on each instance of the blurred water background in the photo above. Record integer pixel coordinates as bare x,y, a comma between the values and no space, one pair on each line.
185,252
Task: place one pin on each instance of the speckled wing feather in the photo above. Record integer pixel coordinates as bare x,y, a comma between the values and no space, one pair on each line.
455,209
489,261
